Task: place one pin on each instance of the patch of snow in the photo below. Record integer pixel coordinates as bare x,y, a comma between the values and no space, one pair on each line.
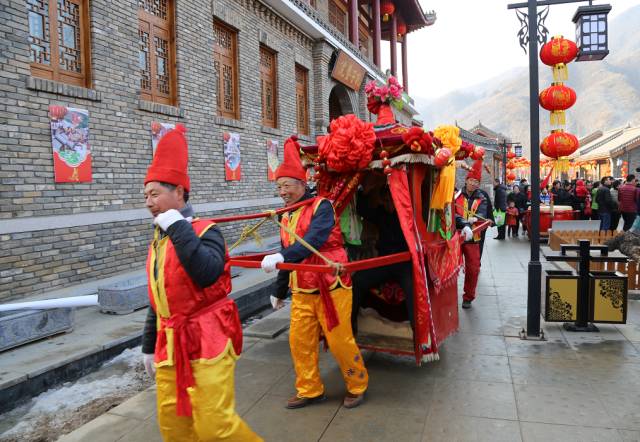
63,408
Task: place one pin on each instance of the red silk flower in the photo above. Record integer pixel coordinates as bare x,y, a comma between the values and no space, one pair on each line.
418,140
350,144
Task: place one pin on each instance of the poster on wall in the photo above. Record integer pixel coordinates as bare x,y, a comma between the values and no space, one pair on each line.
70,143
232,158
157,131
272,159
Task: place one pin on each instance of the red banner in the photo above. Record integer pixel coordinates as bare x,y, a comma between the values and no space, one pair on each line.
70,143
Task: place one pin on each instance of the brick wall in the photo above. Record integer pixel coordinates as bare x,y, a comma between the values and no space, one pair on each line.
49,256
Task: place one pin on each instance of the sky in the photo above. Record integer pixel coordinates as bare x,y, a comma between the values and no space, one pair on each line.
475,40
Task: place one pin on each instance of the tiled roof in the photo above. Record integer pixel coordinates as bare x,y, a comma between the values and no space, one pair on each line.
612,140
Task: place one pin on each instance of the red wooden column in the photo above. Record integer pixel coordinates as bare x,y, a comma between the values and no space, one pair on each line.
394,45
353,23
377,32
405,67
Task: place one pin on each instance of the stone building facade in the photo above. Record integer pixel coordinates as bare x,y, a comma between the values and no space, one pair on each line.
58,234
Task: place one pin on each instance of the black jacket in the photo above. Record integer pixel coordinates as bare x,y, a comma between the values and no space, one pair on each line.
520,200
202,258
563,198
500,197
605,202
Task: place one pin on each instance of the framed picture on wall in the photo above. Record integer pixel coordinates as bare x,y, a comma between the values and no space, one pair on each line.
232,156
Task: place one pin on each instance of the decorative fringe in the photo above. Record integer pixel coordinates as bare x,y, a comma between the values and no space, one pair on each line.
405,158
431,357
560,72
557,118
562,165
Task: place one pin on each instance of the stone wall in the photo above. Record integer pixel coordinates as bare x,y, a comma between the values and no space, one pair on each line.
54,234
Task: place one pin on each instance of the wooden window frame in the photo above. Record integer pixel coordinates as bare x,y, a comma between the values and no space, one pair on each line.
152,23
305,128
274,79
340,5
218,57
52,71
363,34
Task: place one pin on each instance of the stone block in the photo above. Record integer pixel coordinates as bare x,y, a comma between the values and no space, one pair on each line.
124,297
17,328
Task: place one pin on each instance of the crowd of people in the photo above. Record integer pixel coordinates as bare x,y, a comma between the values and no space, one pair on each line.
608,200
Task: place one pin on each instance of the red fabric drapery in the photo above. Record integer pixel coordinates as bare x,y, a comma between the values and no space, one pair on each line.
425,338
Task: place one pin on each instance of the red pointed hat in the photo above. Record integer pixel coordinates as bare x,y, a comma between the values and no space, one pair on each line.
476,170
169,163
291,166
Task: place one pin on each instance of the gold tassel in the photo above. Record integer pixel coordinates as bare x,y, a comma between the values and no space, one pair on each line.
560,72
562,165
557,118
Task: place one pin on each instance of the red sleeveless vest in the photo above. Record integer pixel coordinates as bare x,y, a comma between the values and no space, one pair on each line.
308,282
194,323
464,210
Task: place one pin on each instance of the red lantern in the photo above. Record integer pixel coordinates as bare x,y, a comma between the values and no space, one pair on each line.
155,127
557,99
401,28
387,8
442,157
511,177
511,155
557,53
57,112
477,153
511,165
559,145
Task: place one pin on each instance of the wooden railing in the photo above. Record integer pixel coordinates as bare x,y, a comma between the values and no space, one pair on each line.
631,268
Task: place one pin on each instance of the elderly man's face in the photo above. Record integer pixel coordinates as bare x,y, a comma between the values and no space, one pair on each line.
472,184
159,198
290,190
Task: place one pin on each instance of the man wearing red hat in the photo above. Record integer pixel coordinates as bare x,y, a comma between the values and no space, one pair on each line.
473,208
320,301
192,334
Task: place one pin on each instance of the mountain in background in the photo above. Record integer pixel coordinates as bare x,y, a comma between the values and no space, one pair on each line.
608,93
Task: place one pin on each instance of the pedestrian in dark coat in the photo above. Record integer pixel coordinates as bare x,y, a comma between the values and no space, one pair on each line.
500,203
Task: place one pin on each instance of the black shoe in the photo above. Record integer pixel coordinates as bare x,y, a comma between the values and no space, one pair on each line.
466,304
499,237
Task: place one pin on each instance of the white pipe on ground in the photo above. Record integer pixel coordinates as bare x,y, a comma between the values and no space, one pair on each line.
70,302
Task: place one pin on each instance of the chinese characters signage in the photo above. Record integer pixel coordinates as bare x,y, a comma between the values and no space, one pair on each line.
347,71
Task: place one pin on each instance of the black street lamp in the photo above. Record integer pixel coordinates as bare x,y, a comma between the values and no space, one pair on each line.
591,32
533,32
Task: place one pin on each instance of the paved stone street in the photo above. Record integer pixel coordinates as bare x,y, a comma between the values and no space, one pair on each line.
488,385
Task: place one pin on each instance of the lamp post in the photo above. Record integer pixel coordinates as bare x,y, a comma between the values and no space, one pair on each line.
533,32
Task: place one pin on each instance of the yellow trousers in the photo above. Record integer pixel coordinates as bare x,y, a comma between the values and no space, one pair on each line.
214,417
307,318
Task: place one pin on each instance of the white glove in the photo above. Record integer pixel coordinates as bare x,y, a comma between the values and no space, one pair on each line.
467,233
472,220
149,367
276,303
269,262
166,219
